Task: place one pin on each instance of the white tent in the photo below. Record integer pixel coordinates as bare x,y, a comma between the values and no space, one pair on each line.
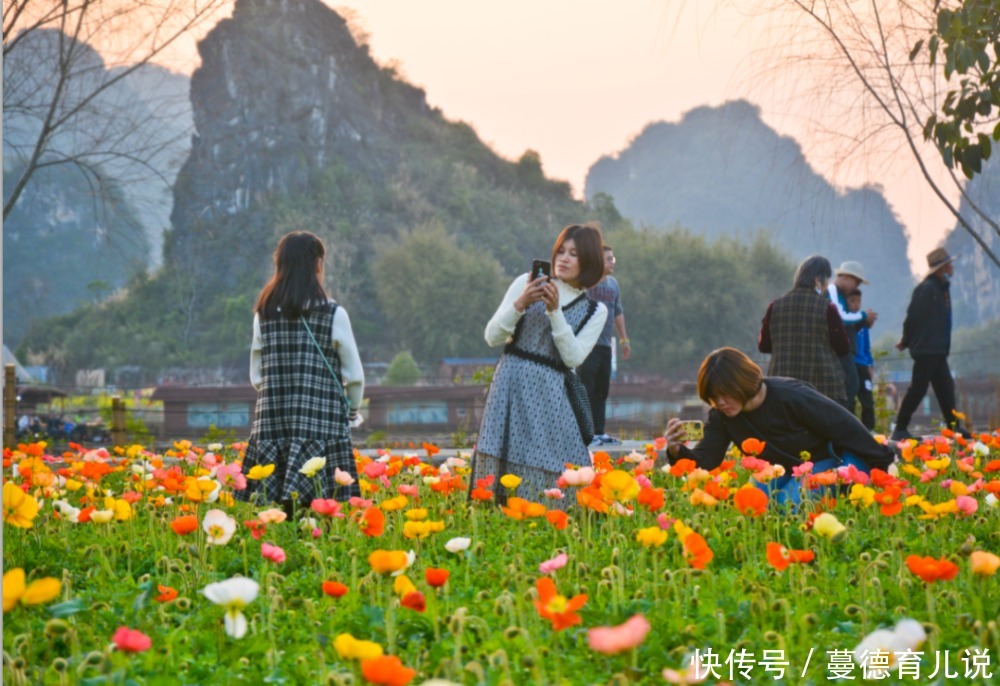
22,375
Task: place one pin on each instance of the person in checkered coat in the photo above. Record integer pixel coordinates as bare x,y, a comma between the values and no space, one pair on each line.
303,411
803,332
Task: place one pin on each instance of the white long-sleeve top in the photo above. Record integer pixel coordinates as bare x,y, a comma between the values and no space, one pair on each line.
352,372
846,317
573,349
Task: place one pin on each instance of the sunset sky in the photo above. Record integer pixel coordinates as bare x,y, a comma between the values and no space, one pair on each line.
577,79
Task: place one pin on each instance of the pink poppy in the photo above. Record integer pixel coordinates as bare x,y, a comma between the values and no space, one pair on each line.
374,470
578,477
643,481
660,442
615,639
273,553
802,469
665,522
359,503
966,505
754,464
554,493
946,483
852,474
341,477
557,562
644,466
231,475
408,489
928,475
326,507
131,640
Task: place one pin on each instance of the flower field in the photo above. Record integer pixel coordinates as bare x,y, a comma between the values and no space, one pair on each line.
133,567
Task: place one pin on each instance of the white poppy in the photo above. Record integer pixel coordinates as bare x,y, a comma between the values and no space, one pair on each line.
233,594
219,526
457,545
312,466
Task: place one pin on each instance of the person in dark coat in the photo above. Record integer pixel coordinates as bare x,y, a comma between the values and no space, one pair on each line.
927,335
804,333
792,419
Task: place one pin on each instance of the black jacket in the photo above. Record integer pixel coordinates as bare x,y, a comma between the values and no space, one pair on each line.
793,418
927,329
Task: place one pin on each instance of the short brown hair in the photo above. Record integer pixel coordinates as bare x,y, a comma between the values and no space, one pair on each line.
727,371
589,251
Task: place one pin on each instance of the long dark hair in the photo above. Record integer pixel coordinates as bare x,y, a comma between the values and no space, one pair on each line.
589,250
295,286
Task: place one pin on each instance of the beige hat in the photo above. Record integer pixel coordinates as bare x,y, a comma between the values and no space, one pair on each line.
937,258
852,268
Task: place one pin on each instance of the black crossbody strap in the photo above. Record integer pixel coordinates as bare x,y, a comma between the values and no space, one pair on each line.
336,380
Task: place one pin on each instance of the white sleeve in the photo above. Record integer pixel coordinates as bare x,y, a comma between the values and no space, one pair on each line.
255,354
501,327
351,370
573,349
845,316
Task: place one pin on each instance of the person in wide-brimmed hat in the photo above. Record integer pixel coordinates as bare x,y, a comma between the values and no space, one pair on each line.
848,277
927,335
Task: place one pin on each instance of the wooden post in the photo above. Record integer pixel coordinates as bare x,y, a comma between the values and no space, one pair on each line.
9,406
117,421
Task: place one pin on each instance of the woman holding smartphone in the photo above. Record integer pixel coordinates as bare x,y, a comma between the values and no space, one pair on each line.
790,416
305,366
548,326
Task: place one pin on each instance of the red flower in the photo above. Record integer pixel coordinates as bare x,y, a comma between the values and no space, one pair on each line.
387,670
751,501
372,522
930,570
131,640
414,600
651,498
779,557
696,551
334,589
559,610
437,577
557,518
167,594
889,499
481,494
257,528
182,526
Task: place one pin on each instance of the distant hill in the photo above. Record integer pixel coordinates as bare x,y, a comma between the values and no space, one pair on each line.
721,171
298,128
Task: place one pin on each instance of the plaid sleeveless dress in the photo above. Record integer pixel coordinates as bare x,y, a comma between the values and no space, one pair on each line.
528,426
301,413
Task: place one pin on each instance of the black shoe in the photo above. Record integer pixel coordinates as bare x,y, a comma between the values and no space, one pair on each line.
900,435
964,433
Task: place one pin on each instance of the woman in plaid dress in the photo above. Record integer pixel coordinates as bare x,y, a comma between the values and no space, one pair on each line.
302,411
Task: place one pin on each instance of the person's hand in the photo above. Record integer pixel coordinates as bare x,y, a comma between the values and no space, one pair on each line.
626,348
532,293
900,345
871,317
550,296
675,435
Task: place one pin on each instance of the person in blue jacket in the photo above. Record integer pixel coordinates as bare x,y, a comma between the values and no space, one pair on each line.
864,362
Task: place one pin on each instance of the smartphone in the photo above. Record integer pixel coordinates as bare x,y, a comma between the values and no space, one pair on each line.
540,268
694,429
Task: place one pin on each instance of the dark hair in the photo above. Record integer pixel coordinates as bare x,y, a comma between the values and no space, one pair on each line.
727,371
589,251
608,248
295,286
812,268
856,291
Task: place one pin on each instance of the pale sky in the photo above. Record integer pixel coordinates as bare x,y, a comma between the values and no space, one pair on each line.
577,79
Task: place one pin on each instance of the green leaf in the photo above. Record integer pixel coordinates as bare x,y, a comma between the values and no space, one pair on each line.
916,49
67,609
932,47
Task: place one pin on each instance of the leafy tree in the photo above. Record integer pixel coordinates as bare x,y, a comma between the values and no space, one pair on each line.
403,370
437,296
967,40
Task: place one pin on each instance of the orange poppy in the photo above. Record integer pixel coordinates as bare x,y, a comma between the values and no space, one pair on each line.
750,500
481,494
682,466
992,466
448,484
431,449
334,589
752,446
716,490
372,522
930,570
557,518
519,508
889,499
167,594
387,670
184,525
436,577
602,461
558,609
696,551
94,470
85,513
414,600
651,498
590,497
779,557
